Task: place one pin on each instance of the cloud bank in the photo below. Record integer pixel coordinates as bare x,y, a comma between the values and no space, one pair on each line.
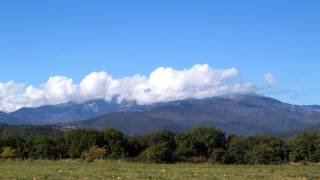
161,85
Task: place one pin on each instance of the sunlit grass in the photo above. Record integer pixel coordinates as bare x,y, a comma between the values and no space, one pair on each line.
128,170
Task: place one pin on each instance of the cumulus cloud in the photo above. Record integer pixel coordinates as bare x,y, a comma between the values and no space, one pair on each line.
162,85
269,79
95,85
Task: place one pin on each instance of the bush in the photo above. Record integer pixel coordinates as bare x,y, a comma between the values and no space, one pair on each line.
94,153
217,155
7,153
159,153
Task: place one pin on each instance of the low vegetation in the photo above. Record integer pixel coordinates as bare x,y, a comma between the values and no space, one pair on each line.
74,169
198,145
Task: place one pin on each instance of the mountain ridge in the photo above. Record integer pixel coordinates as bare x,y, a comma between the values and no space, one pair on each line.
66,112
241,114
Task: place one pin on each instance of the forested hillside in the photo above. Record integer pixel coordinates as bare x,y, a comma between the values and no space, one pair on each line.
29,130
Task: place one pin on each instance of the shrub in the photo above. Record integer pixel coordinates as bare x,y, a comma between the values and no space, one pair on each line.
7,153
158,153
94,153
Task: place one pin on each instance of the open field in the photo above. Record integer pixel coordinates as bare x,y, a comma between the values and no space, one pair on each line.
125,170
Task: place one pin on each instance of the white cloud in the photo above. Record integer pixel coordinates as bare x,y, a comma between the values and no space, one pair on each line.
95,85
269,79
163,84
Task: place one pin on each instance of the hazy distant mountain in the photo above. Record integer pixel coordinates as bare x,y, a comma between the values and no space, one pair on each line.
238,114
62,113
5,118
312,107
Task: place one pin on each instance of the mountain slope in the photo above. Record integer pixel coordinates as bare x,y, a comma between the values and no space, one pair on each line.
62,113
310,129
238,114
243,114
129,122
5,118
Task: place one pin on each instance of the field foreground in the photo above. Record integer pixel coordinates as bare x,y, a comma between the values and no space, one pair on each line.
125,170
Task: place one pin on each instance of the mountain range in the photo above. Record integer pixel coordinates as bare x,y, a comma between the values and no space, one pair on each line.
239,114
66,112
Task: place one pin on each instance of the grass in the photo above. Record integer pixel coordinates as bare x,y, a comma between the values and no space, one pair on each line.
126,170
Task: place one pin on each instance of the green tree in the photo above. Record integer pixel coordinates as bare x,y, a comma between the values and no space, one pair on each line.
137,144
161,147
200,142
42,148
117,142
237,150
305,147
79,140
267,150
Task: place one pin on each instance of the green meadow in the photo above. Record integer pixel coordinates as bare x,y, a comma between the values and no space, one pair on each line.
129,170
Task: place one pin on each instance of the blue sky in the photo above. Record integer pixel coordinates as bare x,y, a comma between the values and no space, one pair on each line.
42,38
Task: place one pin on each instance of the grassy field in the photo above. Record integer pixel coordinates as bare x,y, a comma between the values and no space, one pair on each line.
124,170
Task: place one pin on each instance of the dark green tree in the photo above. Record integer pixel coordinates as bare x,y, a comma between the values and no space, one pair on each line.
117,143
238,148
305,147
267,150
200,142
79,140
161,147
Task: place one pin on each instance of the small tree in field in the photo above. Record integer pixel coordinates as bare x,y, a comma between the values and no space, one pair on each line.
94,153
7,153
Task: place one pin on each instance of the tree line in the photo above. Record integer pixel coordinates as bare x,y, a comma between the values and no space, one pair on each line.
201,144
